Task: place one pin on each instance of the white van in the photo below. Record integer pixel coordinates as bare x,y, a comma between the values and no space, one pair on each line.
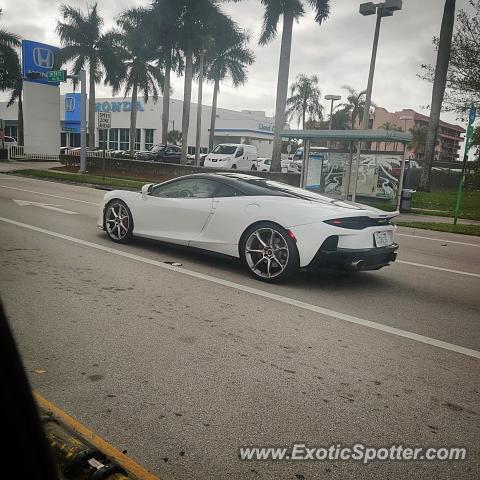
232,155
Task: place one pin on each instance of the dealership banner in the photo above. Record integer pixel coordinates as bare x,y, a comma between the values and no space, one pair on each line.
72,112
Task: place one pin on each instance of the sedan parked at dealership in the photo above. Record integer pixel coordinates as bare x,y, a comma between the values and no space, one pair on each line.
161,153
274,228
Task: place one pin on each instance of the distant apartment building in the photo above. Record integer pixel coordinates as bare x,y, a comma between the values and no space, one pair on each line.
448,140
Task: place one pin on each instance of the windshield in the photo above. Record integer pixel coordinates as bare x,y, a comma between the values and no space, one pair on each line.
157,148
225,149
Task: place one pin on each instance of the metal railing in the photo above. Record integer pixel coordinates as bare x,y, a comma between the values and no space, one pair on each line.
17,152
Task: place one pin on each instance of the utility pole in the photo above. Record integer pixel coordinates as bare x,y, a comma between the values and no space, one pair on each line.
83,121
199,110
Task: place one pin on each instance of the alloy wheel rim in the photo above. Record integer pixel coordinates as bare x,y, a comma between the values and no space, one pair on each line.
267,252
117,221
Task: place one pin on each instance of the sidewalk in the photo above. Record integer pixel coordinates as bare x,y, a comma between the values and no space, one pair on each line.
412,217
36,165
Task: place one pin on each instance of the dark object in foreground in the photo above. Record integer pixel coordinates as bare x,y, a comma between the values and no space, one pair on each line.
25,445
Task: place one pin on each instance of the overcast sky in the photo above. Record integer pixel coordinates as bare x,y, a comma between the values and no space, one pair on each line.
338,51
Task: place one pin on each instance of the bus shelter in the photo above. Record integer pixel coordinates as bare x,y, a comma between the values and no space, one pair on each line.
354,163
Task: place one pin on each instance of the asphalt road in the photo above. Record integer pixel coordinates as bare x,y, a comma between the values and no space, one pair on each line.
182,366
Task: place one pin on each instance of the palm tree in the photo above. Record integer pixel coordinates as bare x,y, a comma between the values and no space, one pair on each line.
166,15
439,84
355,105
228,56
139,72
83,43
341,119
305,99
16,90
290,10
174,136
11,75
419,140
197,22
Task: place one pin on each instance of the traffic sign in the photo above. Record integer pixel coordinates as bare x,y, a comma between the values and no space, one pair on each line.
104,120
57,76
472,115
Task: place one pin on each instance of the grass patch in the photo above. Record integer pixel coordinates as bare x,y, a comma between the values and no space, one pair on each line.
444,203
443,227
127,182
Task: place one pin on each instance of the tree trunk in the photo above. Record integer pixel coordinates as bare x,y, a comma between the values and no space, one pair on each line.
91,109
20,132
187,98
440,81
282,89
213,119
303,118
166,97
133,119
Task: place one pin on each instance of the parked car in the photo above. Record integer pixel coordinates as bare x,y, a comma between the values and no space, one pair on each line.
191,159
292,166
232,155
10,142
274,228
264,164
162,153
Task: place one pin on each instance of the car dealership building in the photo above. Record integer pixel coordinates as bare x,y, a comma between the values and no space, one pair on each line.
246,126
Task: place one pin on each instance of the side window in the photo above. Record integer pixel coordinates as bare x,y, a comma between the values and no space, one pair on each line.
239,152
188,188
227,191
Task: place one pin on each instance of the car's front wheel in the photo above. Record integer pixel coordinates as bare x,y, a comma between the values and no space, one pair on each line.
118,222
269,252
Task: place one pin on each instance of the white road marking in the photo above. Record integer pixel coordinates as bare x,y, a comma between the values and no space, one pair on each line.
47,206
50,195
438,240
432,267
255,291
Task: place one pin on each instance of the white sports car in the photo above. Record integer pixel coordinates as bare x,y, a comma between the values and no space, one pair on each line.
274,228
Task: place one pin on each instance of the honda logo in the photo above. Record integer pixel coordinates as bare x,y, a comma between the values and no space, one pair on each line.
43,57
69,104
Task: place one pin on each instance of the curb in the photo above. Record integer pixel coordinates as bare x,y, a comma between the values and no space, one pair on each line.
81,454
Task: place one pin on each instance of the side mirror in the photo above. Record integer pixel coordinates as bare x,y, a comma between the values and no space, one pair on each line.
146,189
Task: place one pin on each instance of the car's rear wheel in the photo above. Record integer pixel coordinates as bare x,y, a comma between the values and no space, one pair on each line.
118,222
253,167
269,252
234,167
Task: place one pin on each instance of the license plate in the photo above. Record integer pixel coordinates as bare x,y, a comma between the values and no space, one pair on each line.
383,239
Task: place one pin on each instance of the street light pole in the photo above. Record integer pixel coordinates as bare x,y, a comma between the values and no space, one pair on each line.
332,98
384,9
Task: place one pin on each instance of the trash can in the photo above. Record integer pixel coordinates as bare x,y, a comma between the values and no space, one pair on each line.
406,201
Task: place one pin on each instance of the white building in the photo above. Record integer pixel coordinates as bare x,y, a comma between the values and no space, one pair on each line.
251,127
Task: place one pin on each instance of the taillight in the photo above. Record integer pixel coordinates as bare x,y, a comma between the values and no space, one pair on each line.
358,223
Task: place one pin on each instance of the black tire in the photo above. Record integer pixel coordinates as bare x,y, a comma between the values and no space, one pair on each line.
254,168
272,258
234,167
119,229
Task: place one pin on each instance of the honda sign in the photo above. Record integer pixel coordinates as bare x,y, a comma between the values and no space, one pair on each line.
37,60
